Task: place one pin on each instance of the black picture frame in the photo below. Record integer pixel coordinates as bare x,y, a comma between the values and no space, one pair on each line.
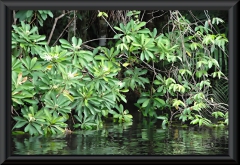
5,77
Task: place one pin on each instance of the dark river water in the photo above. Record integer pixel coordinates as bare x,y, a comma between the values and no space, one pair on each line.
142,138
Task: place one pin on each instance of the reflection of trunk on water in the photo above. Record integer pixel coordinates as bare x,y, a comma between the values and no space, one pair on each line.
110,136
71,141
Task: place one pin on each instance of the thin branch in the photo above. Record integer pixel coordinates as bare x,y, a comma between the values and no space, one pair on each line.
14,17
54,25
156,17
88,47
98,39
63,31
153,12
74,23
12,109
35,16
108,24
153,78
72,118
143,14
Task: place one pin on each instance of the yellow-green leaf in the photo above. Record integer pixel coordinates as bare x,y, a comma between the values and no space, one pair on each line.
189,54
125,64
200,122
100,14
68,96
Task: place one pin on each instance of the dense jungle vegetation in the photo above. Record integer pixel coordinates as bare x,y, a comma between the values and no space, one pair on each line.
81,68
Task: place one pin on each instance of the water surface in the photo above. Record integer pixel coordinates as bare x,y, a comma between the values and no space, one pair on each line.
144,138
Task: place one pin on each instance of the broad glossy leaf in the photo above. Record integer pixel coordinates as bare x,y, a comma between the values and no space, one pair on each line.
20,124
142,99
26,129
160,101
162,117
18,101
38,128
65,42
48,114
32,130
144,31
142,56
157,82
74,41
122,98
76,125
21,14
31,101
145,103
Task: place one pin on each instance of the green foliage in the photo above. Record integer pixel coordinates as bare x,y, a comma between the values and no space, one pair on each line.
217,113
86,122
194,71
88,86
22,90
57,102
40,121
164,122
27,39
201,121
148,104
171,70
134,78
121,115
28,15
32,118
54,123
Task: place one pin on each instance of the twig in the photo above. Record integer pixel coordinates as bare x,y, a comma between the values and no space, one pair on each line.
143,14
156,17
72,119
172,114
98,39
108,24
54,25
14,18
63,31
153,78
74,23
12,109
35,16
153,12
88,47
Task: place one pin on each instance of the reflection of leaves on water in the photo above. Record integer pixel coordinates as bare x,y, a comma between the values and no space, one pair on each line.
85,132
116,139
39,145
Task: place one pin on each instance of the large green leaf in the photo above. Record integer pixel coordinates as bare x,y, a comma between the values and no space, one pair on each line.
145,103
